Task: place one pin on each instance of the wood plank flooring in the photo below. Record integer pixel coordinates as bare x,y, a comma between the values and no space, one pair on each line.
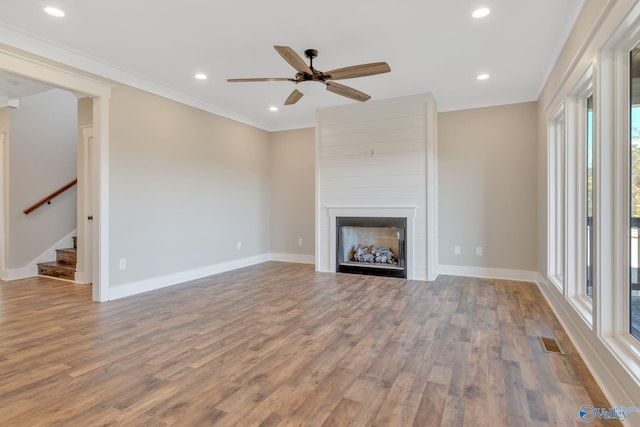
280,344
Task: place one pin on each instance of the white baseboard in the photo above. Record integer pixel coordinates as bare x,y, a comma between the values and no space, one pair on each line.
606,369
31,269
129,289
488,273
296,258
83,277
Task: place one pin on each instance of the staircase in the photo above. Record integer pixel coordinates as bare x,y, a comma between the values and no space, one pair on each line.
64,267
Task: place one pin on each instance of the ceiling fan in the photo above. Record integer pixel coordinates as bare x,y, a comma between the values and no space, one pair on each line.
306,73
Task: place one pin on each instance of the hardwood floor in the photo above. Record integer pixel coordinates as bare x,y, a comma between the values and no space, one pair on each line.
279,344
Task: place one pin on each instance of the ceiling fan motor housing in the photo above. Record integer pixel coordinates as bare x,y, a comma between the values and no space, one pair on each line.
316,76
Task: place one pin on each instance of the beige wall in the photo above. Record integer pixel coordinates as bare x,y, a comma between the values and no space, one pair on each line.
487,186
85,112
42,157
292,165
4,121
185,187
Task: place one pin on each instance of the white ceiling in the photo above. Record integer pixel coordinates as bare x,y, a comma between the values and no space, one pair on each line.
431,45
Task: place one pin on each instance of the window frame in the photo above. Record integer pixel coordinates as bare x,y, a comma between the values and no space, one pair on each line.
613,190
556,194
608,346
576,279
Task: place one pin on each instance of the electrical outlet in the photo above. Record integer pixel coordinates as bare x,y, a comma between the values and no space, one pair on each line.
239,245
123,264
456,250
300,241
479,251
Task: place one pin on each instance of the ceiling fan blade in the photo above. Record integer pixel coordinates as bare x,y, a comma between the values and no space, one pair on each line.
293,59
275,79
347,91
294,97
358,71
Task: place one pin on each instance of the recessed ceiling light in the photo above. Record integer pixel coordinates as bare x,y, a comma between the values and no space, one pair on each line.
481,13
273,108
54,11
201,76
482,76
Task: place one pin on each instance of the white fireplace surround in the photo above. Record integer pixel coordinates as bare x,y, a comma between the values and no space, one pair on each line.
379,159
374,212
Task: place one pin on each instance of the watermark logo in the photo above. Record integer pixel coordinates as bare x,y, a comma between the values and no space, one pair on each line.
588,413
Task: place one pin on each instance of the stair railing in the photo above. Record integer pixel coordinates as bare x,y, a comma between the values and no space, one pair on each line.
47,200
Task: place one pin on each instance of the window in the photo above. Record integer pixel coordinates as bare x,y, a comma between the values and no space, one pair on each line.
634,193
601,276
580,223
589,207
556,195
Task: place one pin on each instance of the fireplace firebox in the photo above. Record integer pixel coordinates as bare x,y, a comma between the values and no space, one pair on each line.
371,245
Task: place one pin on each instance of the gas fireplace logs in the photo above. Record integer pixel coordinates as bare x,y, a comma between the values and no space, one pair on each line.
371,254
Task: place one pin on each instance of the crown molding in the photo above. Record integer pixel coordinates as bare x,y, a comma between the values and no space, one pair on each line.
47,49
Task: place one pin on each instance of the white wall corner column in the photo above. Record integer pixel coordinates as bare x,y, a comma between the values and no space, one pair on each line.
100,199
379,159
432,188
4,194
85,207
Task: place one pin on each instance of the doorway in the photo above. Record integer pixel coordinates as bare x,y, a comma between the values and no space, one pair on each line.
94,213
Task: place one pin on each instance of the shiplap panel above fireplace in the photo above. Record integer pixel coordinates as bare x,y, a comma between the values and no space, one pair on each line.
379,154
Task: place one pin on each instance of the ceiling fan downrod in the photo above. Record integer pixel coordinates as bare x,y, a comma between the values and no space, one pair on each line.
311,53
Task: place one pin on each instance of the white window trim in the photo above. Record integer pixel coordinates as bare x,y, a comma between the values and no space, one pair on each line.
576,172
610,351
611,190
556,191
613,311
